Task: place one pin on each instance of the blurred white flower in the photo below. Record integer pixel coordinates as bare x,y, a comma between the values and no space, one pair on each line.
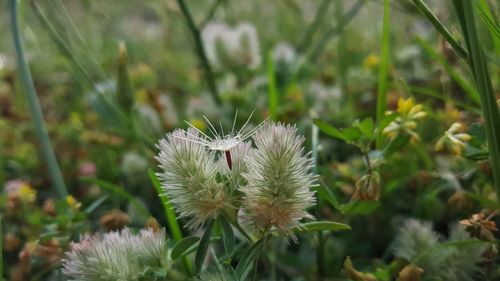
454,139
120,256
279,179
238,45
284,53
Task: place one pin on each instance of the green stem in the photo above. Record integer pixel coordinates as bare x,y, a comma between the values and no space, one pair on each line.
479,68
1,247
384,68
34,104
241,230
311,29
211,12
200,50
441,28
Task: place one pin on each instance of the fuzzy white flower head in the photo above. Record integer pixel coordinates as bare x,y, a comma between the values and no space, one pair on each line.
279,179
116,256
284,53
238,45
189,176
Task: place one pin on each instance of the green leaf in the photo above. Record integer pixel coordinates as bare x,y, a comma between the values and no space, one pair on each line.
359,207
396,144
203,248
386,120
447,245
320,226
183,246
366,127
328,129
352,134
227,236
248,257
124,89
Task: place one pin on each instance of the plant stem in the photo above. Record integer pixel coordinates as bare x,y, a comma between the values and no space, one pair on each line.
211,12
241,230
384,68
200,50
441,28
479,68
34,105
311,29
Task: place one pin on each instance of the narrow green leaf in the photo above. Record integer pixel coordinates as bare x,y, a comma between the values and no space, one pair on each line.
328,129
124,89
251,254
182,246
359,207
227,236
34,105
384,67
120,192
447,245
424,9
272,89
203,248
320,226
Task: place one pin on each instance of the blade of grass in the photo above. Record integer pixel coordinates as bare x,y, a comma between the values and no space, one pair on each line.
272,89
313,27
424,9
479,69
34,105
200,50
173,225
120,192
462,82
384,67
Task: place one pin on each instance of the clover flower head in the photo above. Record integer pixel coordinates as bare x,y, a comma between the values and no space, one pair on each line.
116,256
454,139
409,114
188,176
279,179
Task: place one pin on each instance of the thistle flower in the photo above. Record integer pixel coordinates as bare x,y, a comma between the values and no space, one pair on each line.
453,139
279,180
119,256
406,122
189,176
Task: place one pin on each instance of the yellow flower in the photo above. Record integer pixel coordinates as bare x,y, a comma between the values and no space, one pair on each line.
72,203
371,61
406,122
453,139
75,120
27,193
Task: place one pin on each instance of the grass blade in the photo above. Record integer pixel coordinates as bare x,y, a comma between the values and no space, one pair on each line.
272,89
203,248
384,67
34,105
479,69
441,28
173,225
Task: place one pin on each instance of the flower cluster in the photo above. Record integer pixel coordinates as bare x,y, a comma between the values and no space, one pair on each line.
233,46
271,183
116,256
406,122
453,139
